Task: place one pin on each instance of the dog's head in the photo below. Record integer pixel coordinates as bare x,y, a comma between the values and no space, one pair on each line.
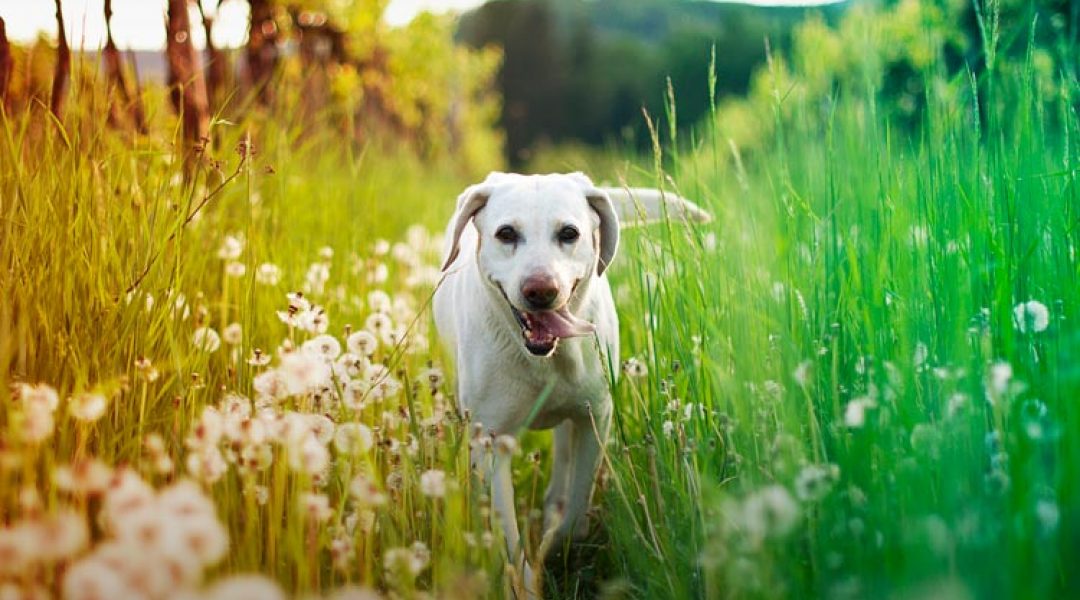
541,238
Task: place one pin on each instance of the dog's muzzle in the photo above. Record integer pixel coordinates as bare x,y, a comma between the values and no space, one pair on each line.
542,330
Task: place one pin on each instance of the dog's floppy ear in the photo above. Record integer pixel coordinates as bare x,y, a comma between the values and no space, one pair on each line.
468,204
600,202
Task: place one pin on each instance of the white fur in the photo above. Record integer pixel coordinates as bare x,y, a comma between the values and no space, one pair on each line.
499,382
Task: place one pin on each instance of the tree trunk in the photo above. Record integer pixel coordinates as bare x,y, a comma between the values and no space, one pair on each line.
137,111
216,69
62,76
262,52
185,75
5,63
114,73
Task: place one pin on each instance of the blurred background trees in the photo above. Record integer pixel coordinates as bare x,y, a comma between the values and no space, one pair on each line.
514,79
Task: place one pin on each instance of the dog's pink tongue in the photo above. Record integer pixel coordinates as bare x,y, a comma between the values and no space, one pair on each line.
558,324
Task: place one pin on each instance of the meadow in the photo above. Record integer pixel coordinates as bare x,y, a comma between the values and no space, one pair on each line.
859,381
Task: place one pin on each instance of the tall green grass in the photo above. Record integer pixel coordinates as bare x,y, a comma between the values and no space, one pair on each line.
849,323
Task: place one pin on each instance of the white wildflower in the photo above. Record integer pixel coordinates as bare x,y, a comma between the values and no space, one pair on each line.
37,396
309,457
353,438
317,276
87,406
378,323
325,347
365,492
231,247
814,481
268,274
433,483
1031,317
316,506
235,269
303,373
855,411
634,367
38,425
802,372
245,587
379,301
206,339
349,365
233,334
362,343
998,379
770,512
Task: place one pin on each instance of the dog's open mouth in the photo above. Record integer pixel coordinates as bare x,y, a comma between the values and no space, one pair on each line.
543,329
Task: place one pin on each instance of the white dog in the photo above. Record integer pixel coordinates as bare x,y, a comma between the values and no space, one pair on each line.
526,310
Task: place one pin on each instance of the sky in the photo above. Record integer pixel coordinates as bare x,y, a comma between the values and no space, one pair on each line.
139,24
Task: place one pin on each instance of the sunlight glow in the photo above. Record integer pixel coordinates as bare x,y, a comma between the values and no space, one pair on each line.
139,24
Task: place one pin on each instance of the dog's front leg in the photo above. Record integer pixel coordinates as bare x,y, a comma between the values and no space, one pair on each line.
497,471
561,467
587,438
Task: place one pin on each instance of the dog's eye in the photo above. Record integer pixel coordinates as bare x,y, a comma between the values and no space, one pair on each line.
569,234
507,235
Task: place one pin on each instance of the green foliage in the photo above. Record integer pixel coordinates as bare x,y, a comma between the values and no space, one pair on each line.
877,336
585,70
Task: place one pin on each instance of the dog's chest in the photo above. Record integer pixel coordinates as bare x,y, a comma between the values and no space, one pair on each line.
567,385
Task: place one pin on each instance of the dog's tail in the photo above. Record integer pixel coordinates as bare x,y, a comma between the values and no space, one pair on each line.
641,206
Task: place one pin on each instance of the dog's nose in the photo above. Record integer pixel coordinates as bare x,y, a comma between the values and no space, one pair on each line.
540,291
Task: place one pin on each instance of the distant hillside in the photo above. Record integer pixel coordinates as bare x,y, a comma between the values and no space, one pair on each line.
583,70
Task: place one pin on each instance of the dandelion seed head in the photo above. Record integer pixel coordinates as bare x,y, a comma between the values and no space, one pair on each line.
378,323
233,334
206,339
433,483
814,482
999,377
855,411
1031,317
364,491
316,506
235,269
83,477
379,301
38,424
232,246
432,377
308,457
802,372
635,367
245,587
38,396
770,512
206,464
1047,514
304,373
87,406
353,438
362,343
268,274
